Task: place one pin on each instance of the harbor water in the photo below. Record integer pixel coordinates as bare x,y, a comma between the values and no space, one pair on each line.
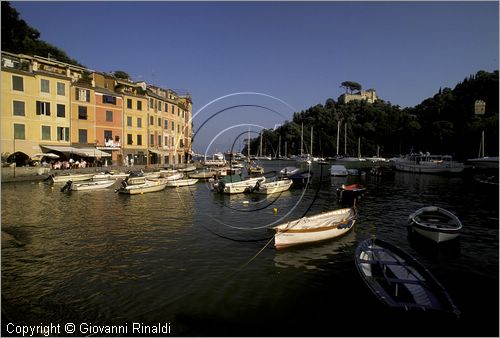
205,264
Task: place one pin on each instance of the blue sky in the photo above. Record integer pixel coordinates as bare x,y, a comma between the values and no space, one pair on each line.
296,53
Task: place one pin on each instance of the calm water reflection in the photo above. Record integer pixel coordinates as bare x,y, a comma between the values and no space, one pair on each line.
187,256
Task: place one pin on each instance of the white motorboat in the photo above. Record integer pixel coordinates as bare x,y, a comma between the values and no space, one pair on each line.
109,175
142,188
315,228
70,177
91,185
338,170
238,187
289,171
182,182
273,187
435,223
430,164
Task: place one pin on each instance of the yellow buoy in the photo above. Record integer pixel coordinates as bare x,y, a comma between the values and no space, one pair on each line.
275,210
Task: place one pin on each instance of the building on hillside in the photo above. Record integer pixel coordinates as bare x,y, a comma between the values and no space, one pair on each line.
369,96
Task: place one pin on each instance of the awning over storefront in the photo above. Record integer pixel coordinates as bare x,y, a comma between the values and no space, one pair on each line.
86,152
159,152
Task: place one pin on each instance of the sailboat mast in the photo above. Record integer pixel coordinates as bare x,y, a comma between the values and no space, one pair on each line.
279,146
260,144
286,149
248,151
338,136
301,139
345,139
481,145
359,147
311,141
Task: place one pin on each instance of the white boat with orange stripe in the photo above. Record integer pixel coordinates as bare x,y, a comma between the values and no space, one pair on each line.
315,228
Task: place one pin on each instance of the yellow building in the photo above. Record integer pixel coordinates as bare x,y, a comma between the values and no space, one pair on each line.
35,103
50,106
134,121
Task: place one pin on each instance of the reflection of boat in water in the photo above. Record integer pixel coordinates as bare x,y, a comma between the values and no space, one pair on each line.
316,255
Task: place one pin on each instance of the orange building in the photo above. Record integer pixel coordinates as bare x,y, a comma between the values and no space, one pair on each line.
108,117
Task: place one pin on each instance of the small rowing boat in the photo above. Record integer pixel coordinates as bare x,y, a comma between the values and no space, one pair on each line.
315,228
350,191
435,223
399,280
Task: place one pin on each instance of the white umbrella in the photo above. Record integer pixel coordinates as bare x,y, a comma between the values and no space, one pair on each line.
49,155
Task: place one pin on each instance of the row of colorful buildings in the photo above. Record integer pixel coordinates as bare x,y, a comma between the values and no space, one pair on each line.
50,106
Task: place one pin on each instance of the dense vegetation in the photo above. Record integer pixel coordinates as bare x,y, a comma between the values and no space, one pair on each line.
444,123
20,38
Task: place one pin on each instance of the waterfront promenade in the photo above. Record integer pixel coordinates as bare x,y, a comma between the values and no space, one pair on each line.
34,174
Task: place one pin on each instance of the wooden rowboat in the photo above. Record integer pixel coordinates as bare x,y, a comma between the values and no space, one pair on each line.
435,223
315,228
399,280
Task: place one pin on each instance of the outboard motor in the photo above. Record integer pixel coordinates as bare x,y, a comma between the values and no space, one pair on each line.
67,186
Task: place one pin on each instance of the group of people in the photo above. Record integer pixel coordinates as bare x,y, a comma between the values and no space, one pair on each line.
71,164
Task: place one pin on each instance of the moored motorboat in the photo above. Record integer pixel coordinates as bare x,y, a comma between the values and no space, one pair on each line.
399,280
109,175
182,182
141,188
289,171
70,177
435,223
315,228
350,191
338,170
268,188
428,164
238,187
90,185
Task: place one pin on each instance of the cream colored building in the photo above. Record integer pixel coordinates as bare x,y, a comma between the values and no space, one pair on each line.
369,96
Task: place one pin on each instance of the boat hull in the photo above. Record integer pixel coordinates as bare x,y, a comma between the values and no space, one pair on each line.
182,183
273,187
91,185
436,236
399,280
73,178
137,189
435,223
316,228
